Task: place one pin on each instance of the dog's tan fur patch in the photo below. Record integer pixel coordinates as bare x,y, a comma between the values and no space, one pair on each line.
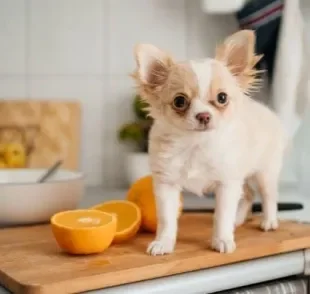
182,80
217,86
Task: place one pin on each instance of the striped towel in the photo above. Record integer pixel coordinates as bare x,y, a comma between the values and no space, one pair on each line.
263,16
258,13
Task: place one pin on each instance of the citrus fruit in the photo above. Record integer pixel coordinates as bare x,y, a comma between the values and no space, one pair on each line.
141,193
15,155
128,217
83,231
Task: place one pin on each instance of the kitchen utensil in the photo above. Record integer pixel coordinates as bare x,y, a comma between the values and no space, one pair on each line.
36,265
256,207
25,201
50,171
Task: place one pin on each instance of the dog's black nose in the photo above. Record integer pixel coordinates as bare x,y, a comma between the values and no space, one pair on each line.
203,117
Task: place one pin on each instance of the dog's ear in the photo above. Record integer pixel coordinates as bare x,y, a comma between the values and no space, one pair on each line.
238,54
152,66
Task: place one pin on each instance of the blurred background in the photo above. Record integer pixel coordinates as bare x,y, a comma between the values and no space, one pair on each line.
64,76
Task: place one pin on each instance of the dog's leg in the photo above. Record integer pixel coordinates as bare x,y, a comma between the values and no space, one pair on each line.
268,188
227,199
167,205
245,205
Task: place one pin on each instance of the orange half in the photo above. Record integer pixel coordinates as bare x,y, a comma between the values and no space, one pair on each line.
128,216
84,231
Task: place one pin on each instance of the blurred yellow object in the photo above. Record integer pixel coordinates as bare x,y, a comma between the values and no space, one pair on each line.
2,149
2,164
84,231
14,155
141,193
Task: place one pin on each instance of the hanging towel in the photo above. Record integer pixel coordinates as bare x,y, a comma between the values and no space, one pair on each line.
264,17
290,89
279,28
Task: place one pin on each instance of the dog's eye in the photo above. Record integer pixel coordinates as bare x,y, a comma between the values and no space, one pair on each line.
222,98
180,102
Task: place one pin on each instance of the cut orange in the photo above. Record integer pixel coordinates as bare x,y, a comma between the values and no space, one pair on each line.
128,218
141,193
84,231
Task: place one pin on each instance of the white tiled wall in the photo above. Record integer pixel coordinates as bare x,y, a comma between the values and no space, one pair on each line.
82,49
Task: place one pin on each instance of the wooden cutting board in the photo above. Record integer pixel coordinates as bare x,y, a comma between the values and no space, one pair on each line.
30,261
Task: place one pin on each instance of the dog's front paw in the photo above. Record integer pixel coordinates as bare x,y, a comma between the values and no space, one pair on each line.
223,245
269,225
161,247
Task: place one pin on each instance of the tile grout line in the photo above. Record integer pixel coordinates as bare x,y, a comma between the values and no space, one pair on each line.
187,21
27,47
105,33
105,63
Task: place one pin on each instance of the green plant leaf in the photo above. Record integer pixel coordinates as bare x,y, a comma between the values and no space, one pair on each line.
139,108
131,132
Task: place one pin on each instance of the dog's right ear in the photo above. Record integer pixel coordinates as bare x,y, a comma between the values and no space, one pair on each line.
152,65
238,54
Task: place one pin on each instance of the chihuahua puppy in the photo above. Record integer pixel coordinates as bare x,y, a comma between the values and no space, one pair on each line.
209,135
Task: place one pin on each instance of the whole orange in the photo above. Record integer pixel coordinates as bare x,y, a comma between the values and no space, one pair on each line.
141,193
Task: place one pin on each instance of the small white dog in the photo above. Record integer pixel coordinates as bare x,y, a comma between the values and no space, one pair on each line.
209,135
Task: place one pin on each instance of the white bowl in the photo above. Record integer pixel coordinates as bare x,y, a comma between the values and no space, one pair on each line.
24,201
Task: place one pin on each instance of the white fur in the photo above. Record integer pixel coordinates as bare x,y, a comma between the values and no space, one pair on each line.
203,72
245,141
252,144
167,218
244,207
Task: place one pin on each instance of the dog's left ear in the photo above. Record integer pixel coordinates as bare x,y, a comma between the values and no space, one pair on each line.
238,54
152,65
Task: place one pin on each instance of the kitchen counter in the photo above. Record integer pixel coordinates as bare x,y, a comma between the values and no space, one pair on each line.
214,279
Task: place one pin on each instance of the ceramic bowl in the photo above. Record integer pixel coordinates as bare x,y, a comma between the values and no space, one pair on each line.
23,201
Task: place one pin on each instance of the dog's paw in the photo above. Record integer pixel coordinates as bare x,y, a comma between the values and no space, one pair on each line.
269,225
223,245
161,247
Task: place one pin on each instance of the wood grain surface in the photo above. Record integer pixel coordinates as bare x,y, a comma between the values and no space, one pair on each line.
31,262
